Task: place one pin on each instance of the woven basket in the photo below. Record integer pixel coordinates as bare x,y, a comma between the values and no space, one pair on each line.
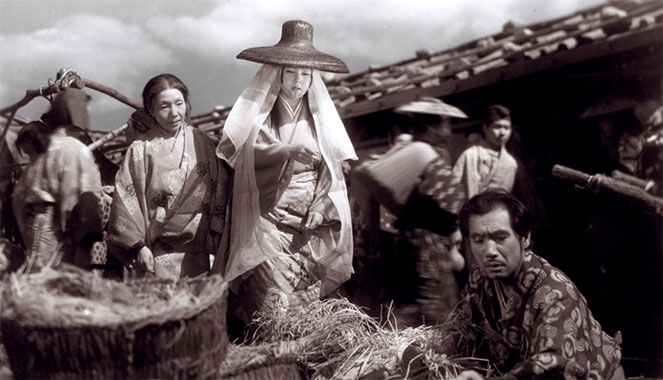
157,334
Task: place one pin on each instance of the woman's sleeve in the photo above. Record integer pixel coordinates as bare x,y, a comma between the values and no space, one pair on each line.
269,151
322,203
127,224
222,183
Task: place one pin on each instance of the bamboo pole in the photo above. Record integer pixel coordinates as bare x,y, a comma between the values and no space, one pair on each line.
635,181
600,182
69,79
107,137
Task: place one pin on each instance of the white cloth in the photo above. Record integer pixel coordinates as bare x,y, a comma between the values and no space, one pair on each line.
249,231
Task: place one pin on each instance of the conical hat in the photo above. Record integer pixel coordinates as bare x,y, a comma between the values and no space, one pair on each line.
295,49
433,106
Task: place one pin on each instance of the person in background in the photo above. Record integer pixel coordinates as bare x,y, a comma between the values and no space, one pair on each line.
291,238
487,164
518,311
58,201
426,258
169,205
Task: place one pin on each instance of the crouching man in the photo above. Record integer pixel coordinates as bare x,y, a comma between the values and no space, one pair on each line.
518,311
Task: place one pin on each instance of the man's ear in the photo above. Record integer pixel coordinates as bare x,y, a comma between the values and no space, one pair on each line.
525,240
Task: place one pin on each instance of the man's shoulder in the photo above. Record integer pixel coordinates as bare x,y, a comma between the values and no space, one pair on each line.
555,278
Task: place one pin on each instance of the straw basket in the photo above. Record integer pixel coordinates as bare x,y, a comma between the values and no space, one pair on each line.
71,324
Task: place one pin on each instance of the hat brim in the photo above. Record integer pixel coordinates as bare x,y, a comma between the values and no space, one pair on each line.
437,108
295,57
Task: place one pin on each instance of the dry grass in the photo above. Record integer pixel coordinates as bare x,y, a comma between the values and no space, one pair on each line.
335,339
73,297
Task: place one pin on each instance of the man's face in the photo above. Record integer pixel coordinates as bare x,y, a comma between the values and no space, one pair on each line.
496,247
498,133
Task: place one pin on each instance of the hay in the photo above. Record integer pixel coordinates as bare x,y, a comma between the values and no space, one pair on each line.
335,339
70,323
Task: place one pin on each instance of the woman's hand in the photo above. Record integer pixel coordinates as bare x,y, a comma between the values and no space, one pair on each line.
302,153
313,220
145,259
469,375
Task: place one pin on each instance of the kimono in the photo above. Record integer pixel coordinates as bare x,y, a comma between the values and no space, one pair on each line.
60,183
479,168
170,195
545,330
424,241
273,260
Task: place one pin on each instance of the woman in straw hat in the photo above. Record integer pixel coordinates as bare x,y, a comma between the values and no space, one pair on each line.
291,236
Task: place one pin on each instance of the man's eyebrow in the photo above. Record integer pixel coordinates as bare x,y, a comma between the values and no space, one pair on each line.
491,233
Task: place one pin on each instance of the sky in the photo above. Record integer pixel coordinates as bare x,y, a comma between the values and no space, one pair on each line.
123,43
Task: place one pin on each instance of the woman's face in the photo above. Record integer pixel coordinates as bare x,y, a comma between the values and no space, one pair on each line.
295,81
169,109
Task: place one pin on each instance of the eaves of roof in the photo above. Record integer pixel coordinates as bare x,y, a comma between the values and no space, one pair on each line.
600,31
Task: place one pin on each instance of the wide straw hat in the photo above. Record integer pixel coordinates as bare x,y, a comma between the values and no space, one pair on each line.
432,106
295,49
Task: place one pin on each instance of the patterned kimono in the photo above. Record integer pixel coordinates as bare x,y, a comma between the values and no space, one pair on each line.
543,331
289,191
59,183
170,195
273,260
437,291
479,168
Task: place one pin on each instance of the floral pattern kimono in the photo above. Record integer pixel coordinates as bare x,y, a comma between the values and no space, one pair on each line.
545,330
170,195
437,290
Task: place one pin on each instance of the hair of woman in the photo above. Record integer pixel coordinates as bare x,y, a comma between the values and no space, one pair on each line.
161,83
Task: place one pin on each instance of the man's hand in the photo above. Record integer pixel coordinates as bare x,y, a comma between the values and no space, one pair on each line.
469,375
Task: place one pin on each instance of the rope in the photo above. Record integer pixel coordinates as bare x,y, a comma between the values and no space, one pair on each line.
593,183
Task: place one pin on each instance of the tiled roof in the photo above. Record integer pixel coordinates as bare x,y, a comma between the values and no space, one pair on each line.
515,52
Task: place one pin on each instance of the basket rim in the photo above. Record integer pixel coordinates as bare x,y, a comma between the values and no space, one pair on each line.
136,322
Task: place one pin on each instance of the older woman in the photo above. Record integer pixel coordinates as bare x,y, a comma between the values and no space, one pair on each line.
291,237
170,193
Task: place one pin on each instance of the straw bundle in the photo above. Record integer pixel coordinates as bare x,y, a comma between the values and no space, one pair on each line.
70,323
269,361
335,339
